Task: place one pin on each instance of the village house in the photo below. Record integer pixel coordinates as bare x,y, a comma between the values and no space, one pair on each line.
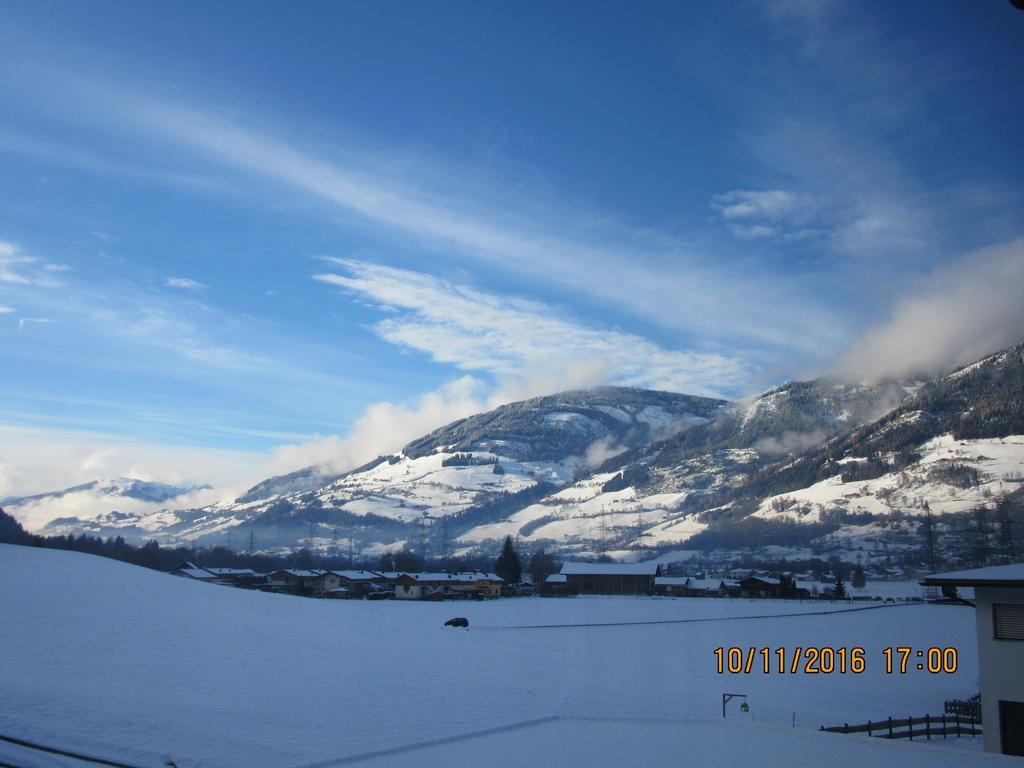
346,583
760,586
191,571
554,586
292,580
999,617
611,578
689,586
671,586
237,577
436,586
421,586
481,583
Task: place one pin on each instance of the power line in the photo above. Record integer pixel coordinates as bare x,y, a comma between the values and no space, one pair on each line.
68,753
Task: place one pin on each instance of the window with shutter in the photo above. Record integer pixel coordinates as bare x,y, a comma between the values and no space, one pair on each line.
1008,620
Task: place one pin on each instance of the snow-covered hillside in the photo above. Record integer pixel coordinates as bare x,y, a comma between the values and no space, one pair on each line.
134,665
114,499
951,476
624,471
473,471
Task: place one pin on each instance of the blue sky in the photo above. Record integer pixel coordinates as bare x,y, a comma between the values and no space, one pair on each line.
237,238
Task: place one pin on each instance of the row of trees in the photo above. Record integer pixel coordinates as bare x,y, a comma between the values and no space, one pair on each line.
509,565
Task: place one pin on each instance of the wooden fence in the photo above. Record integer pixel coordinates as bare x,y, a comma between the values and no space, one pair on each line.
964,707
927,727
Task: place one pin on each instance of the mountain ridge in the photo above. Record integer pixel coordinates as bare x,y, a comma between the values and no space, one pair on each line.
623,471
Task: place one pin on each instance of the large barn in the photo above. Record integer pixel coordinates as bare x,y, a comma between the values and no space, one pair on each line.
610,578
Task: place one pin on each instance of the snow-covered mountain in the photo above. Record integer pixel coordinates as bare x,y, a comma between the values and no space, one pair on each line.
84,508
470,472
805,468
117,487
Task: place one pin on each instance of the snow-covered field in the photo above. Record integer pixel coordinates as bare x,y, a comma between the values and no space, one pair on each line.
130,664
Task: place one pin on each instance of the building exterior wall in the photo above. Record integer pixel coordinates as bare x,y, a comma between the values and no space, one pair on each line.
407,592
610,584
1001,662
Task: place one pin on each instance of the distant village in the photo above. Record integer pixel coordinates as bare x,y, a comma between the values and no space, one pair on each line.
636,579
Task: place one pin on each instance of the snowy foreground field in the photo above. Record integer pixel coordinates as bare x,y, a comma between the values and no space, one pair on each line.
132,665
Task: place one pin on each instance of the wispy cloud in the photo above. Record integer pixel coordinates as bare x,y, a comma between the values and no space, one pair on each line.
754,204
5,310
652,277
505,336
24,322
20,268
185,284
769,214
129,327
829,140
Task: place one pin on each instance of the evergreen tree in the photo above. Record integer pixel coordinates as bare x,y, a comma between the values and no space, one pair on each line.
11,531
508,565
859,579
839,586
409,561
542,565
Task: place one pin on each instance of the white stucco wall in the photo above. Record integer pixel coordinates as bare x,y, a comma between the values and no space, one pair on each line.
1001,662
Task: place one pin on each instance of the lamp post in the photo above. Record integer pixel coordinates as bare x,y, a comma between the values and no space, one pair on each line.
727,697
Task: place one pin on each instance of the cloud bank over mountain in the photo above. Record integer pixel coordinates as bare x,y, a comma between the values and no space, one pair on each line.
960,313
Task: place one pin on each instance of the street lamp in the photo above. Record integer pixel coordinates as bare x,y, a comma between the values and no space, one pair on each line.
727,697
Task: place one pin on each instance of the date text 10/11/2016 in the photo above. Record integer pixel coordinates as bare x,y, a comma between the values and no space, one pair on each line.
814,660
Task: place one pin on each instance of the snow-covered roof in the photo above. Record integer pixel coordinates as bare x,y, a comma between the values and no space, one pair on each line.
297,572
194,573
687,581
232,571
705,583
463,577
355,575
555,578
610,569
993,576
672,581
765,579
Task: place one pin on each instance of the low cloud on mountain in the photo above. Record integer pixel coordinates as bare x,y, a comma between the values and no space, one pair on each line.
960,313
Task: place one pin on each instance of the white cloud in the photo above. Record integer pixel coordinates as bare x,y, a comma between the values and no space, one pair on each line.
385,427
960,313
771,214
185,284
747,204
653,276
478,331
753,231
601,450
34,460
18,268
24,322
5,310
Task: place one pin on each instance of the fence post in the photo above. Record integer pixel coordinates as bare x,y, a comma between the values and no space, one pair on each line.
958,725
928,726
890,726
910,726
846,727
869,727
